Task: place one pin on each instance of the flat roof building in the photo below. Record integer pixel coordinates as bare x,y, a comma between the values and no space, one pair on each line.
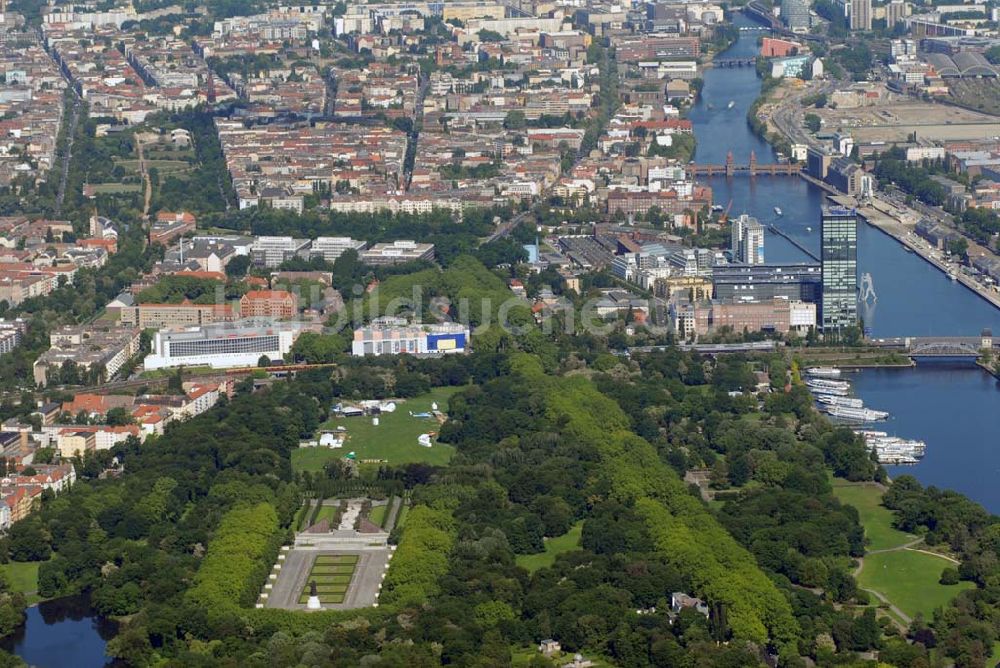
238,344
185,314
397,252
394,336
840,268
764,282
98,353
330,248
272,251
11,333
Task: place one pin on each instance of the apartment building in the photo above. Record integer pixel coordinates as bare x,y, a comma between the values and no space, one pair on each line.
90,349
185,314
277,304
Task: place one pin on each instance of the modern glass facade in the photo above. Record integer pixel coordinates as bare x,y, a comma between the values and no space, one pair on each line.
840,268
795,14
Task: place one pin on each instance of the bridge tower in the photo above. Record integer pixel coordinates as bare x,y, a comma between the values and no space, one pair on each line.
730,165
986,340
753,163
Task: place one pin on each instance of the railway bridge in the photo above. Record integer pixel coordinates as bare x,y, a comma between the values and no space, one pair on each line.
752,168
940,346
734,62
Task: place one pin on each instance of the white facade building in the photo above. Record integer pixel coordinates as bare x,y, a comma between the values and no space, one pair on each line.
330,248
221,345
747,240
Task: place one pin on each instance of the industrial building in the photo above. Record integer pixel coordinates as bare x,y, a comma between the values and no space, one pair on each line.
102,351
393,336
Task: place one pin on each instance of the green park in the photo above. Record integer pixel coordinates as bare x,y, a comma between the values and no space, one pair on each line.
393,440
897,567
555,546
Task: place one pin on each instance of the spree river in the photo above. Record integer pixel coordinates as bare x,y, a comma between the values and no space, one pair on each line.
954,407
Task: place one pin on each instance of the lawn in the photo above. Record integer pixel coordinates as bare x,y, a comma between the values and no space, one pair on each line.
875,518
164,166
521,657
567,542
327,513
332,574
115,188
910,580
393,440
377,515
23,577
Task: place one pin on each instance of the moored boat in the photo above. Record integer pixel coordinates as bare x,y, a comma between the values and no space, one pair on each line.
823,371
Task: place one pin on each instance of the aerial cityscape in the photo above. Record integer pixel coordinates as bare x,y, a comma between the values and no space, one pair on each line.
500,333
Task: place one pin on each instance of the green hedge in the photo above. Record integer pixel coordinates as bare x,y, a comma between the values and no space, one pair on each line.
239,558
421,558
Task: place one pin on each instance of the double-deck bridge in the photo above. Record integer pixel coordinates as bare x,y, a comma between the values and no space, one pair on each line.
752,168
940,346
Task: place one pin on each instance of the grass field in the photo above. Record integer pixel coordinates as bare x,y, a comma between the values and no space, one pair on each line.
23,577
377,515
521,657
326,513
114,188
332,574
875,518
567,542
394,439
910,580
164,166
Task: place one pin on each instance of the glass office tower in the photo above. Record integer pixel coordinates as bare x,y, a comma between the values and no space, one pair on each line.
840,268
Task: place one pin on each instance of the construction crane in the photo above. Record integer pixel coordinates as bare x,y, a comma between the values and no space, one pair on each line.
724,218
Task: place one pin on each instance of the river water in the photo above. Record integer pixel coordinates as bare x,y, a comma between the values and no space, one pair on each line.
954,407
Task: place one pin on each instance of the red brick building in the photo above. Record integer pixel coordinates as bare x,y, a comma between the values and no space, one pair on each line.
778,48
269,304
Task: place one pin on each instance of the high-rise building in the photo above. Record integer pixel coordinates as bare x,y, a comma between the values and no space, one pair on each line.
895,12
747,240
795,14
861,14
840,268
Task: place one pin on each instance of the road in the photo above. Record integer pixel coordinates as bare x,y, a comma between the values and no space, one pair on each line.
414,136
506,228
68,158
788,115
148,195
